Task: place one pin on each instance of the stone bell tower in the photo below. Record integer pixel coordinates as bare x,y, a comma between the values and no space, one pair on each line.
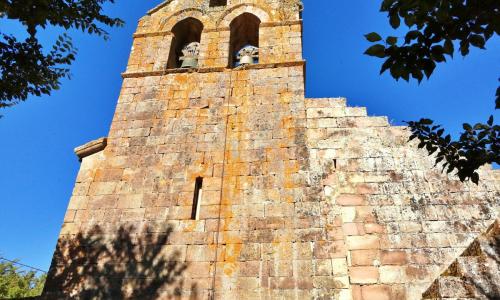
208,142
219,180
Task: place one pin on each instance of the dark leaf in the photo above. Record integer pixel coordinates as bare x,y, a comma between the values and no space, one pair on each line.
387,64
412,35
464,47
448,47
497,101
477,40
397,70
490,121
426,121
392,40
373,37
394,21
376,50
428,66
437,53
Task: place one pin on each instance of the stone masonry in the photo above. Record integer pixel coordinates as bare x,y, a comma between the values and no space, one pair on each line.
301,199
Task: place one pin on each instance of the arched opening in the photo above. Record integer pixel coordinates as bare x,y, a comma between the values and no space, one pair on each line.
244,34
214,3
185,33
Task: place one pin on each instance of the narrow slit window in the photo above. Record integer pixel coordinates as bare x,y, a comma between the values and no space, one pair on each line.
198,193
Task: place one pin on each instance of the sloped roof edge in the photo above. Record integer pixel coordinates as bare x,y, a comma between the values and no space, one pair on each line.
159,6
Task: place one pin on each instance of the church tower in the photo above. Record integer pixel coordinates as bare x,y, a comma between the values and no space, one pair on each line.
219,180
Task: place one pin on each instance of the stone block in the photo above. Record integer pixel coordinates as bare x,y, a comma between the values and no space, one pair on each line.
374,228
250,252
364,275
130,201
69,217
393,257
248,283
303,268
323,267
329,282
326,112
106,175
364,257
353,229
200,253
365,242
250,269
326,249
103,202
350,200
392,274
348,214
339,267
282,283
281,268
376,292
102,188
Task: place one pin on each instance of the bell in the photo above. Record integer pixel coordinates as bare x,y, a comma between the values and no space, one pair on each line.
246,60
189,62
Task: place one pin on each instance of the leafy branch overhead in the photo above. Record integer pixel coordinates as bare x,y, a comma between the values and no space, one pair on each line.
478,145
434,26
26,69
436,30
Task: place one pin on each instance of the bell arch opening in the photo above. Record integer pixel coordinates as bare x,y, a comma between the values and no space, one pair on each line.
244,34
185,33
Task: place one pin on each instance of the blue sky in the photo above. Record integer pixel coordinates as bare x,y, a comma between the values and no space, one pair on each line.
37,163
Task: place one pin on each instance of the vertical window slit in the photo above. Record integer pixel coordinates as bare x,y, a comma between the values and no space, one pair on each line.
198,193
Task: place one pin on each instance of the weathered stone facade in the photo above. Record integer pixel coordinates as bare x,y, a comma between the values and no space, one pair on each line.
473,275
302,198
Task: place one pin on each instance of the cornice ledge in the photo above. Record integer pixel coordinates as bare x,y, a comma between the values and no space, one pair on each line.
92,147
213,69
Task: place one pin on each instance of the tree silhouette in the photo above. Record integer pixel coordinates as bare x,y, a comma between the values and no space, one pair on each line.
130,265
26,68
437,29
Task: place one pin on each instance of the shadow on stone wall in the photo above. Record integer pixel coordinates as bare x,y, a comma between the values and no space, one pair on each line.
127,265
473,275
484,276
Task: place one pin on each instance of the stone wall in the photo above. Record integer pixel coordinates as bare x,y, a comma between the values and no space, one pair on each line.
403,221
280,37
473,275
302,198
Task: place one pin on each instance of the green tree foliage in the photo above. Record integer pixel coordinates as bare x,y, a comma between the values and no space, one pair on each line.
25,68
437,29
478,145
15,283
